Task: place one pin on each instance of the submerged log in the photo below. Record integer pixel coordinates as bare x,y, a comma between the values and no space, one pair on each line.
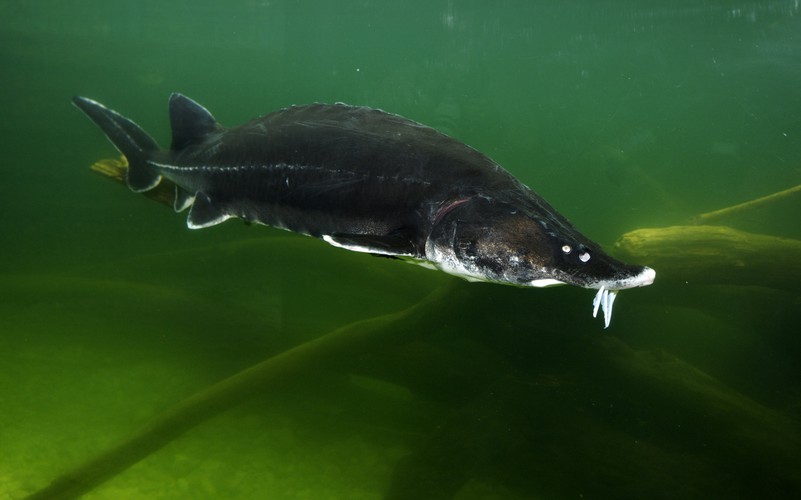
705,218
715,255
335,348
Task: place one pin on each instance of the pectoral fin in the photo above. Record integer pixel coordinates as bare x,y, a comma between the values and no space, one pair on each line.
392,244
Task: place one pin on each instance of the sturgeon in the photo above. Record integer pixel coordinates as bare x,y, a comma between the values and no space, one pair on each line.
369,181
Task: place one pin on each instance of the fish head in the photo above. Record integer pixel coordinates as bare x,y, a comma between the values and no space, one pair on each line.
482,239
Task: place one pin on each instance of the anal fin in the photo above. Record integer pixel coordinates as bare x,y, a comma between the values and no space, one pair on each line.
205,213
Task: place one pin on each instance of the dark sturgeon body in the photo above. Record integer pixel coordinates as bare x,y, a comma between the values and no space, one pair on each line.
371,181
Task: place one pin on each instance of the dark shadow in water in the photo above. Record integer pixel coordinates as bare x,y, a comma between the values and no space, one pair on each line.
500,391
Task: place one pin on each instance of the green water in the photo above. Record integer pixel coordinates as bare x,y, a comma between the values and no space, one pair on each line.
622,114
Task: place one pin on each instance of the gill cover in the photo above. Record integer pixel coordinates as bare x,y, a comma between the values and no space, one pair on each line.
484,240
481,239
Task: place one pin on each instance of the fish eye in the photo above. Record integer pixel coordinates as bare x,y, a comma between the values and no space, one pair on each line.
584,256
566,249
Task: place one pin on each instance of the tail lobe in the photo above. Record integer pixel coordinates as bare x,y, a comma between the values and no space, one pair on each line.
129,138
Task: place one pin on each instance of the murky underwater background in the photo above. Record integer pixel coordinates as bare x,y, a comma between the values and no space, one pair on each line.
624,115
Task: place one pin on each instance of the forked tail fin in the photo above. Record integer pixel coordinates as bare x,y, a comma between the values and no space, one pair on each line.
129,138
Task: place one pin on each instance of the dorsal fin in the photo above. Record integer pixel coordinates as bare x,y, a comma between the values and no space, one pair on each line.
190,122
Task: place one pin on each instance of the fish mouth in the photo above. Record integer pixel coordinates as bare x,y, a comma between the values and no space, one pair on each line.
607,292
